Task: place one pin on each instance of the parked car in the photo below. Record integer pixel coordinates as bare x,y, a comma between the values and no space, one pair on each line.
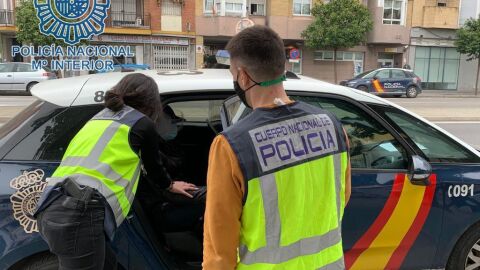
387,81
415,200
21,76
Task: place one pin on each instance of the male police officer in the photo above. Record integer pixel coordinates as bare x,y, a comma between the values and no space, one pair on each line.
279,179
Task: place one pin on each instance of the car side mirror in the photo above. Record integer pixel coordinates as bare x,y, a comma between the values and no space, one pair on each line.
420,171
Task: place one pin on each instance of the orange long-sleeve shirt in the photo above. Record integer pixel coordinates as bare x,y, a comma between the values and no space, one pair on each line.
225,191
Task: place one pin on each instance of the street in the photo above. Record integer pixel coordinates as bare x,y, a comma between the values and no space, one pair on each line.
458,115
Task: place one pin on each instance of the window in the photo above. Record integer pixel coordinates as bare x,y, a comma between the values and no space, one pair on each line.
6,68
208,6
371,145
442,3
383,74
171,8
438,67
233,7
257,7
24,68
392,11
398,74
50,140
341,56
198,110
436,146
301,7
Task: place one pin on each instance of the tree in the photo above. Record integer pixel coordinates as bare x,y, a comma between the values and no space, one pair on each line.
468,43
338,24
27,23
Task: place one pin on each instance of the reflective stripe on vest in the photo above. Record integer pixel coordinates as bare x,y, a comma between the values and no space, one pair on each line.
109,164
294,160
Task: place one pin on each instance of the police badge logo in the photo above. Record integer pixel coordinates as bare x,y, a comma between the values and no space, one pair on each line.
29,186
72,20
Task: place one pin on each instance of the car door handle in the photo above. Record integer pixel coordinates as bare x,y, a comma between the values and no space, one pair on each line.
9,75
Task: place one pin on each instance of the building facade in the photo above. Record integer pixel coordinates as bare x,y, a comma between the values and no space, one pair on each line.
218,20
432,53
161,33
468,69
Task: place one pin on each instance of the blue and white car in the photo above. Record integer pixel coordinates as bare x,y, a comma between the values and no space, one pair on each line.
415,200
391,82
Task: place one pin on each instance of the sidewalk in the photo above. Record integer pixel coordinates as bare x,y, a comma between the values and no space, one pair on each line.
449,93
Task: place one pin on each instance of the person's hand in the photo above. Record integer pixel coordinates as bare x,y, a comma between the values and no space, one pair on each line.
180,187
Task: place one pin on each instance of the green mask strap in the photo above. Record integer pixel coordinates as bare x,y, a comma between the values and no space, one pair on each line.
274,81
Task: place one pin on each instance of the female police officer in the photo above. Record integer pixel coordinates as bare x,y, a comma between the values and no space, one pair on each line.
91,192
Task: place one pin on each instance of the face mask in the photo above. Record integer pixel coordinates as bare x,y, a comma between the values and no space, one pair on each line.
241,93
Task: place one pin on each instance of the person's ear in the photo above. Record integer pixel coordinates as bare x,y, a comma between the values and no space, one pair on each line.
243,77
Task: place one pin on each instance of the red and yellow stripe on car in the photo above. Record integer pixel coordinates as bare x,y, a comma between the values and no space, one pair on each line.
387,241
377,86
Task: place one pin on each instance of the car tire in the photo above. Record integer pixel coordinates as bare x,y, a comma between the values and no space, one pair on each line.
41,261
467,247
362,88
412,92
30,85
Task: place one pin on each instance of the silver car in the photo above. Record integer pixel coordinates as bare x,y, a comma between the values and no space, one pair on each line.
21,76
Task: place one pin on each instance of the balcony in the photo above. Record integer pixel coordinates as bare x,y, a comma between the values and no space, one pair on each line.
7,17
127,19
440,17
222,25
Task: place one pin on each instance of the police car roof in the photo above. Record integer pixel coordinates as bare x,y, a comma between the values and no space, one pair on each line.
81,90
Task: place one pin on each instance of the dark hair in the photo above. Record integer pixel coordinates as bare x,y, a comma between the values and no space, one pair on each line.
260,50
137,91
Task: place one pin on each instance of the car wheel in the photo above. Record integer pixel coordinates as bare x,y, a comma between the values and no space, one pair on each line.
362,88
41,261
466,253
412,92
30,85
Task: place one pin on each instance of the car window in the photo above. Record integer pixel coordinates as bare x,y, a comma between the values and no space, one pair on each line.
436,146
371,145
50,140
398,74
197,110
6,67
365,74
24,68
383,74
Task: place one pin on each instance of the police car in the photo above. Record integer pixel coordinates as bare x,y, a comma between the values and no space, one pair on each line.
387,81
415,200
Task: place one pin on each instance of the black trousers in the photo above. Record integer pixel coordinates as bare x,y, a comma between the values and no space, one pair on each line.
74,232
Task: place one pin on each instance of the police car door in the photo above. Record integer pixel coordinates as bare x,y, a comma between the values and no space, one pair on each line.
386,211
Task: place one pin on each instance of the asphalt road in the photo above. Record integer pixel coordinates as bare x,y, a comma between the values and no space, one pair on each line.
458,115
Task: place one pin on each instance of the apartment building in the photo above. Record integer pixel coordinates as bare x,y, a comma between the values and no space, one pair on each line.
218,20
432,53
161,33
468,69
7,28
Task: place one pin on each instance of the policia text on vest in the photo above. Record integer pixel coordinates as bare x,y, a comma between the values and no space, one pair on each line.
294,160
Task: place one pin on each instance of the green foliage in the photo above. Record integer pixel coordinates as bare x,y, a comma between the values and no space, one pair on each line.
27,22
468,41
338,24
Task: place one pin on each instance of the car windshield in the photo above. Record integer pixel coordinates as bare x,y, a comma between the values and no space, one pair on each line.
364,74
